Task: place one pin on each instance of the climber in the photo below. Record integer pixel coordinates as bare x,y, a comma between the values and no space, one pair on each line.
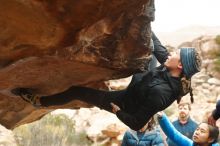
153,91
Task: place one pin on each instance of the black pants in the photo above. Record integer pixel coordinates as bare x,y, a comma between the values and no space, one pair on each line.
99,98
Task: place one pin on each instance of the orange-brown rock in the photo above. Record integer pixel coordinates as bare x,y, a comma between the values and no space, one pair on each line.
49,45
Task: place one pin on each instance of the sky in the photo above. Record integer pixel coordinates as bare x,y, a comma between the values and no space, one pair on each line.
175,14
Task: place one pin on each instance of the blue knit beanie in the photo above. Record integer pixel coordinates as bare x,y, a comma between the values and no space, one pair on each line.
190,60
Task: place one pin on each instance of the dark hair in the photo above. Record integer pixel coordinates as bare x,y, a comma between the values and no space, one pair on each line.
151,123
185,88
213,133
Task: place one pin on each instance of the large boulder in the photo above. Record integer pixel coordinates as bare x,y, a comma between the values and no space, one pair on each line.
51,45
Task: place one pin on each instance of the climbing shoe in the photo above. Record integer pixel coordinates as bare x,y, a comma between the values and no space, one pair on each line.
27,95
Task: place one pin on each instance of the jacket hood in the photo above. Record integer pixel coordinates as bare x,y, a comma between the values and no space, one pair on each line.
153,133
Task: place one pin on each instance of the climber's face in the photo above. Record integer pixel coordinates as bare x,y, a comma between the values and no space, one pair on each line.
173,61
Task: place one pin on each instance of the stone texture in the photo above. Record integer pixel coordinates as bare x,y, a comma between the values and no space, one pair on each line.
6,137
102,127
50,45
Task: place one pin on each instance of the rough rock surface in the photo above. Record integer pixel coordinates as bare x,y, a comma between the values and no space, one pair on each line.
6,137
50,45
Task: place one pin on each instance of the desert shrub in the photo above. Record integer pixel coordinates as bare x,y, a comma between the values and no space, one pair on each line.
52,130
217,64
215,54
217,39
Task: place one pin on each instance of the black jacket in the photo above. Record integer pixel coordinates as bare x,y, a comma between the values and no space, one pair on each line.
155,92
152,92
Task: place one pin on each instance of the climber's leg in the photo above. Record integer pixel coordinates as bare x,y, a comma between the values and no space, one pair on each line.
99,98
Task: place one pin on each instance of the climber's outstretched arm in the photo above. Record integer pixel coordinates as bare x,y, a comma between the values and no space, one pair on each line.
160,51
